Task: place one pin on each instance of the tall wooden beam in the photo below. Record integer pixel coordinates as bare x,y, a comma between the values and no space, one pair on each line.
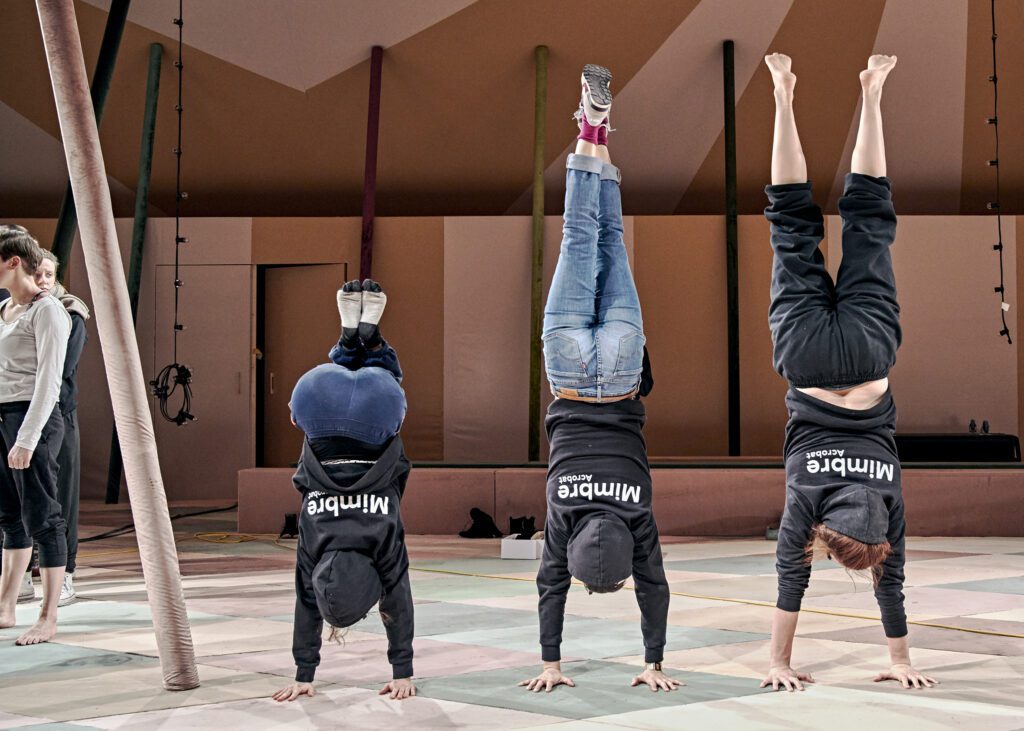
370,175
537,259
732,247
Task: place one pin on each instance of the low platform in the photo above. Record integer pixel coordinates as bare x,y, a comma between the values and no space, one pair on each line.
723,498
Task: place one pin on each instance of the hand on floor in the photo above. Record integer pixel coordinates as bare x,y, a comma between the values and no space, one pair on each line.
546,681
294,690
656,680
786,677
399,689
907,676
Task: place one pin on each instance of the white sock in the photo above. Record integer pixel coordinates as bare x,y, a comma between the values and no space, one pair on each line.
373,307
350,305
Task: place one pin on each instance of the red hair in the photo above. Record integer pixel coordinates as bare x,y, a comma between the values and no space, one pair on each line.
848,552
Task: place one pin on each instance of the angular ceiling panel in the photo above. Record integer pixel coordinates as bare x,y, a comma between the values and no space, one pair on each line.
298,43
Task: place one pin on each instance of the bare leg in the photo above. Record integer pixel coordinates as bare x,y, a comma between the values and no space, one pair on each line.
869,152
15,564
45,627
788,163
587,148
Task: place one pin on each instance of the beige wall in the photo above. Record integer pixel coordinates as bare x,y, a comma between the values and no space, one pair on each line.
459,318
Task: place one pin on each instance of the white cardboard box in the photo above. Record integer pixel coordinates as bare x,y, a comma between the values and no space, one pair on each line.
514,548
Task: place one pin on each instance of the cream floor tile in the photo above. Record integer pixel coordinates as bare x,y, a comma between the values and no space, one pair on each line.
85,693
835,709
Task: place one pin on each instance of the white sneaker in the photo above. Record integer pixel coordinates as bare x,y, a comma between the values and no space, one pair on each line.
67,592
28,589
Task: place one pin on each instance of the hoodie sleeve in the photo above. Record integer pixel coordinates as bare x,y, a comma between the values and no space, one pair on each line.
397,606
76,343
889,592
652,594
790,553
553,582
308,630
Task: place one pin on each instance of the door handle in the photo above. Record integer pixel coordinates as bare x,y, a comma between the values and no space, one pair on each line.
271,384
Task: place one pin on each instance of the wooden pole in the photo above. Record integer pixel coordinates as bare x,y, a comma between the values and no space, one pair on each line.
732,247
370,176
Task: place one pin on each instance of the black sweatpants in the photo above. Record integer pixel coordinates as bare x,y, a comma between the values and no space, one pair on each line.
841,334
29,509
69,477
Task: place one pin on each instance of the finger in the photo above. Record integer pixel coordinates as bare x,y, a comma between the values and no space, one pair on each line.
550,684
798,684
569,682
788,683
764,683
916,681
904,681
635,683
312,691
880,677
653,685
775,683
806,677
932,680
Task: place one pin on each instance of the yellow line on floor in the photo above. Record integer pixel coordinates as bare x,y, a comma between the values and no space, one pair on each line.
748,602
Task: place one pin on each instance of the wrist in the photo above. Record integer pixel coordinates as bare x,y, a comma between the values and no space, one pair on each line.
555,665
652,667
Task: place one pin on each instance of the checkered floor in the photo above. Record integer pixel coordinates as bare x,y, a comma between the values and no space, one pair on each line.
477,636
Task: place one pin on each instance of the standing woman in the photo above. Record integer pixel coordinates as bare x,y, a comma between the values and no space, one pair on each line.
34,330
69,460
835,343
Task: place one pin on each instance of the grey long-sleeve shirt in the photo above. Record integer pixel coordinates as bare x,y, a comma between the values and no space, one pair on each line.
32,353
829,448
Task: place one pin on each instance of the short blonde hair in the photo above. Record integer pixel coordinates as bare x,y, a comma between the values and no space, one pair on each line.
49,256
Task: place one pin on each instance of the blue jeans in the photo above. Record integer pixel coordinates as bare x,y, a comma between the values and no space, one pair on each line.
593,330
360,357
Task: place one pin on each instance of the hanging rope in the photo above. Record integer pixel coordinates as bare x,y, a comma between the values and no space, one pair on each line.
994,163
176,375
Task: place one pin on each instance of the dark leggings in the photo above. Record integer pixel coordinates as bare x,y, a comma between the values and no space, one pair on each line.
361,357
29,509
841,334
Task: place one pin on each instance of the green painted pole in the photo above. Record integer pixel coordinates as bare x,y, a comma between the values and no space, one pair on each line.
67,219
138,237
537,271
732,247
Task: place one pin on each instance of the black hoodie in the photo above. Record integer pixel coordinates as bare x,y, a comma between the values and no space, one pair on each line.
598,463
353,506
834,458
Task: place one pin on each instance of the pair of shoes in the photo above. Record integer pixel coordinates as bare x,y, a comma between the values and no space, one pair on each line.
67,591
523,528
483,526
595,97
27,593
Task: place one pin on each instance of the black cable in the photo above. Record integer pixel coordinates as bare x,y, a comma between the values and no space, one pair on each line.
130,527
995,205
176,375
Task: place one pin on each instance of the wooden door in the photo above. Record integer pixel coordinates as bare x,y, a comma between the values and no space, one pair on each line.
301,325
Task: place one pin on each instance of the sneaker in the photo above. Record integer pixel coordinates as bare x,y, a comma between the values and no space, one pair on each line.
67,592
28,589
596,96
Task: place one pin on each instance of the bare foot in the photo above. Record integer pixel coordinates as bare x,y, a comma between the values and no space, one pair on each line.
43,630
873,77
780,64
7,619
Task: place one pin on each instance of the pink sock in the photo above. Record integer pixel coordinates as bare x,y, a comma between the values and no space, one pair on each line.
602,135
589,133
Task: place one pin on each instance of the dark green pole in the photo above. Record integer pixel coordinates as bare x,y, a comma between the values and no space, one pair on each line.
67,220
731,248
537,271
138,236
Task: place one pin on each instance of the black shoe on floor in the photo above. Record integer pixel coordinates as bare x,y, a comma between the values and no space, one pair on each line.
483,526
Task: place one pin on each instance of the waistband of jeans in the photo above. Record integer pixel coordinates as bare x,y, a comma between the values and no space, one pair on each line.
12,406
573,395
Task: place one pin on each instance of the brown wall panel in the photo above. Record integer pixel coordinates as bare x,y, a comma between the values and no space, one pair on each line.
307,241
953,366
680,274
408,259
762,390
